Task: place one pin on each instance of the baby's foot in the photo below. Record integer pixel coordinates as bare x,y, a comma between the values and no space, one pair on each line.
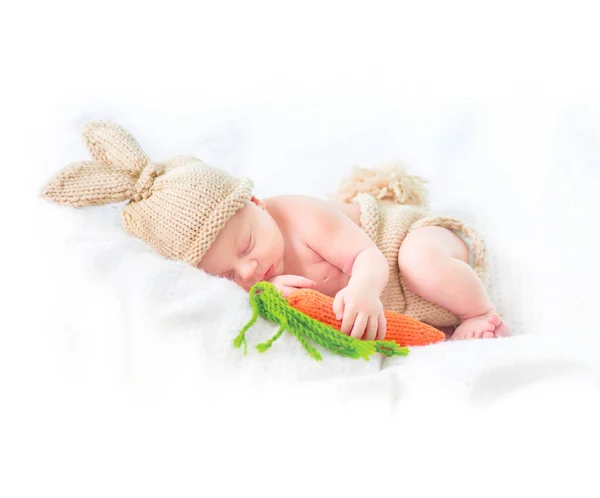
483,326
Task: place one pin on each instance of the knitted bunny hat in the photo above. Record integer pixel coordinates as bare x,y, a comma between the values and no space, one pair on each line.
178,206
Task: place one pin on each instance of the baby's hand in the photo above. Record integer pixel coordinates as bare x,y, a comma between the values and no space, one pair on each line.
361,312
290,283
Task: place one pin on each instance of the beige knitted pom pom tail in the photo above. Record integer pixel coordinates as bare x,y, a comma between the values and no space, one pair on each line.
89,183
388,182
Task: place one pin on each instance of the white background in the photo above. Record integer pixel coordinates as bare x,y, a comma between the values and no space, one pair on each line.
217,69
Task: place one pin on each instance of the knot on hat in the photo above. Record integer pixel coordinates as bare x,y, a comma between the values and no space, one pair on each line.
141,189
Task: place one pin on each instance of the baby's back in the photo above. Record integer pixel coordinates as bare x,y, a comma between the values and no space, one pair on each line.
293,213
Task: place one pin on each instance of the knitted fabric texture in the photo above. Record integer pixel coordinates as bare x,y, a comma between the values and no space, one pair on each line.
178,205
388,221
266,301
401,329
387,182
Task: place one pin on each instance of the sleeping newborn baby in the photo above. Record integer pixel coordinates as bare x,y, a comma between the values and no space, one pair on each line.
375,247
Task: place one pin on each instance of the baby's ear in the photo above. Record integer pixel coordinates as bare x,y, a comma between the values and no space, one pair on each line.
257,201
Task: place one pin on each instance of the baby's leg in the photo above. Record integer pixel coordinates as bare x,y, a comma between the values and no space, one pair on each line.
433,262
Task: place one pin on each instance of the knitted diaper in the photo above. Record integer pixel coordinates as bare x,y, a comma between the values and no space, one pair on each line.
386,219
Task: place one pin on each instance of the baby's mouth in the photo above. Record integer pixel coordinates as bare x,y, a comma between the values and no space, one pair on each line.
269,273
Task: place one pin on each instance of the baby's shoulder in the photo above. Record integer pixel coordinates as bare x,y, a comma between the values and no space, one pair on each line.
295,206
305,210
296,211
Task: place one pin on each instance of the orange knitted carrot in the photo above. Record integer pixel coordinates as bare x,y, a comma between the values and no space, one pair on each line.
402,329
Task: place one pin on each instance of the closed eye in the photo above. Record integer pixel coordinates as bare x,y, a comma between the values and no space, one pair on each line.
248,245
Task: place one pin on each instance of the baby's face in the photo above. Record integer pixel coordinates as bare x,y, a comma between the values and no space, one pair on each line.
248,249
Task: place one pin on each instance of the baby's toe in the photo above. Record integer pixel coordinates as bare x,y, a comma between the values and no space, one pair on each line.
488,327
484,332
502,330
487,335
494,319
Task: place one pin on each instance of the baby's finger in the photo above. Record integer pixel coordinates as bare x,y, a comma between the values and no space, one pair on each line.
371,331
338,306
306,283
348,321
286,291
359,325
381,329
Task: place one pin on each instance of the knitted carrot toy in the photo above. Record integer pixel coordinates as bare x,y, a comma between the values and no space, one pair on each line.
402,329
267,302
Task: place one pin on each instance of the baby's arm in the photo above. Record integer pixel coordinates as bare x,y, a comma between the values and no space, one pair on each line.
338,240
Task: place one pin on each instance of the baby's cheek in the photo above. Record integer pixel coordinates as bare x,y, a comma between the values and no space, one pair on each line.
244,285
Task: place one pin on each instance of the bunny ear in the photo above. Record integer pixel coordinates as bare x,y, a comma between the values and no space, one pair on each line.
90,183
112,145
